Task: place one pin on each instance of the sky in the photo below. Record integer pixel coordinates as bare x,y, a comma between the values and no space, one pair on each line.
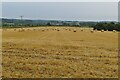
79,11
60,0
119,12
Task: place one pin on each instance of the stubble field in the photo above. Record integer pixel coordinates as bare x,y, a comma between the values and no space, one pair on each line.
58,53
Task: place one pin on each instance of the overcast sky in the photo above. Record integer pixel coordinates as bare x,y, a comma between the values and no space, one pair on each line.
84,11
60,0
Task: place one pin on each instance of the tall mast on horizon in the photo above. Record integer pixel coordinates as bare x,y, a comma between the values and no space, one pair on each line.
21,18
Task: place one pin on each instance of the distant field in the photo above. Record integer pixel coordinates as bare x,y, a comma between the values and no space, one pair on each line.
59,52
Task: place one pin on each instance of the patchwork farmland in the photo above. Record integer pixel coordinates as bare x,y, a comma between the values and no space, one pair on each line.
59,52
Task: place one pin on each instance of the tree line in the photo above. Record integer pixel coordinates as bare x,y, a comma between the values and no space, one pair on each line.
107,26
110,26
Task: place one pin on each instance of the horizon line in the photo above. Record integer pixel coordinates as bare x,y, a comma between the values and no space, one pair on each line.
64,20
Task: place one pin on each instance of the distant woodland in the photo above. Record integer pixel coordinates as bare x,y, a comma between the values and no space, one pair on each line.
17,23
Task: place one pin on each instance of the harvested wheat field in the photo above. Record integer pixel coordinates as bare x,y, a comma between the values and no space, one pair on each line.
0,52
56,52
